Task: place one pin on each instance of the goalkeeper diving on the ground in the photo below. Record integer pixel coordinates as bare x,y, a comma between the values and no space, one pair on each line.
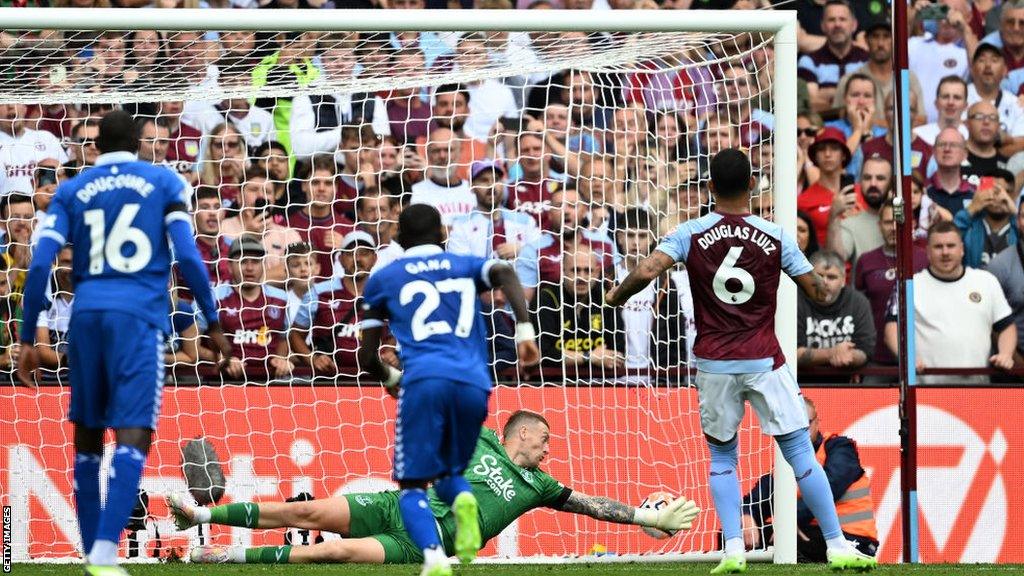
505,477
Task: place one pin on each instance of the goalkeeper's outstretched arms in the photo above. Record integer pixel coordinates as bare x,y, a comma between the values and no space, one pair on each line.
678,515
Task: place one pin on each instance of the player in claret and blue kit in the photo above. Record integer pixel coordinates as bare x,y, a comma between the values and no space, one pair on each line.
118,215
735,261
431,300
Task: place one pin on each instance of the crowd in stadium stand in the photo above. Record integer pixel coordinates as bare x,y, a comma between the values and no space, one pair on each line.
573,176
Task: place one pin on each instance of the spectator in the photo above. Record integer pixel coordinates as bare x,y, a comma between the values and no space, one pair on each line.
330,312
652,320
597,190
183,151
860,115
986,222
147,58
254,314
1010,36
270,160
254,124
988,70
10,314
540,261
360,165
575,329
82,146
851,489
255,220
878,37
442,188
875,276
53,325
490,230
950,102
302,272
154,138
19,219
213,247
807,125
951,299
45,179
319,222
920,151
531,192
949,189
830,154
408,113
823,68
983,156
223,163
489,99
240,53
852,236
806,237
810,36
22,148
740,104
451,110
937,55
1008,268
377,215
838,333
291,64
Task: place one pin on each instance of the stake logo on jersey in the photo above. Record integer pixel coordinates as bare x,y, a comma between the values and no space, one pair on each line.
734,264
490,471
115,215
431,299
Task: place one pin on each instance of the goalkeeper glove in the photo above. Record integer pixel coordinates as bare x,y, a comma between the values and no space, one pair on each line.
391,382
678,515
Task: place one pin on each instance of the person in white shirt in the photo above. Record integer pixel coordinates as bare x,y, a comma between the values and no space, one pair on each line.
21,149
951,102
255,124
490,231
488,99
988,68
939,54
957,311
442,188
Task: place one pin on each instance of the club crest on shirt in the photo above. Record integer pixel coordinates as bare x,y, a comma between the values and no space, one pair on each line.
974,297
274,313
949,63
231,311
890,274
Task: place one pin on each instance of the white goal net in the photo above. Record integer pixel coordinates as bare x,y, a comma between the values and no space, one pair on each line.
568,153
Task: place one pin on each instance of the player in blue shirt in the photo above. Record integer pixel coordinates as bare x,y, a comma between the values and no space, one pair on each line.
431,300
118,214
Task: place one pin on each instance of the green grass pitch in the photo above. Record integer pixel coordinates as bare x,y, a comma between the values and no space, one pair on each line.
652,569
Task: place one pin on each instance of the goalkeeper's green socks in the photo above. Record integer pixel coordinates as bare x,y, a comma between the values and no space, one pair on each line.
244,514
268,554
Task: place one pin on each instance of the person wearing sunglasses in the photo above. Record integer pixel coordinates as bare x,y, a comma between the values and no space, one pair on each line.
808,125
983,155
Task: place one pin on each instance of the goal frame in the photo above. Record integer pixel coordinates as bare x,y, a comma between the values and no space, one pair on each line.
782,24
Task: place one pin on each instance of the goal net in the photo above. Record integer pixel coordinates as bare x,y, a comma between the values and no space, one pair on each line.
568,153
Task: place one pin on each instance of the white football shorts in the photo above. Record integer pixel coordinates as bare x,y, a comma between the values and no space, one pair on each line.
774,396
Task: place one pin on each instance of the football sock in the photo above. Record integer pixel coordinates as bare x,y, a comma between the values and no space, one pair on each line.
814,487
268,555
418,519
725,488
87,496
122,495
244,514
103,553
449,487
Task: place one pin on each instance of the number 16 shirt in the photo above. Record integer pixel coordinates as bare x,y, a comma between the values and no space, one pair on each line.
734,263
431,299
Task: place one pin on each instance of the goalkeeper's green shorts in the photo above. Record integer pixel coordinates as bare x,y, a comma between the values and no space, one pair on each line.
376,515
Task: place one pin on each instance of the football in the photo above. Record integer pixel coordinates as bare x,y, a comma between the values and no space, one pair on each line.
657,501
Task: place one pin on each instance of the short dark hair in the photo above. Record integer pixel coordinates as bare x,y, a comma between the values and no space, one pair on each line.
84,123
118,133
206,193
942,227
950,79
636,219
1004,175
730,173
11,199
323,163
265,148
419,224
844,3
452,87
519,418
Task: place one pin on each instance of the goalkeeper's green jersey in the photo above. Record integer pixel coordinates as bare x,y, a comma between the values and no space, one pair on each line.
503,490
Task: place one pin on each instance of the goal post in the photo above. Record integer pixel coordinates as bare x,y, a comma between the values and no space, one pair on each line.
611,433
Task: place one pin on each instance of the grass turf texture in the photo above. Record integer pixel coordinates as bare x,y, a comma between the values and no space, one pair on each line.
653,569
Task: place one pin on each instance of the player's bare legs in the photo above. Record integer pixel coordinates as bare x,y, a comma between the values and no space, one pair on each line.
329,515
343,551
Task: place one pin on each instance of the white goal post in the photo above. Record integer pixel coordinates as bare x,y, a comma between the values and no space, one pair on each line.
780,25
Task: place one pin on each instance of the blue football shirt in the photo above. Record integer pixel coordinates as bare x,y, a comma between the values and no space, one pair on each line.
431,299
115,216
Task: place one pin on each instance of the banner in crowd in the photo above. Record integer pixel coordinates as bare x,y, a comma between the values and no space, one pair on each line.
610,441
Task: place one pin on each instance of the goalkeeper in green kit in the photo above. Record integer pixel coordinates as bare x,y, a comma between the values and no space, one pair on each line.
504,477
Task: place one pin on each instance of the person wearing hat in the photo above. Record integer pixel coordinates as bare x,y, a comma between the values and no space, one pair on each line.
878,37
830,154
329,315
988,70
253,314
490,230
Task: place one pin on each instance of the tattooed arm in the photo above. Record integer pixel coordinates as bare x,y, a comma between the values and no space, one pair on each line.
813,285
599,508
648,269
